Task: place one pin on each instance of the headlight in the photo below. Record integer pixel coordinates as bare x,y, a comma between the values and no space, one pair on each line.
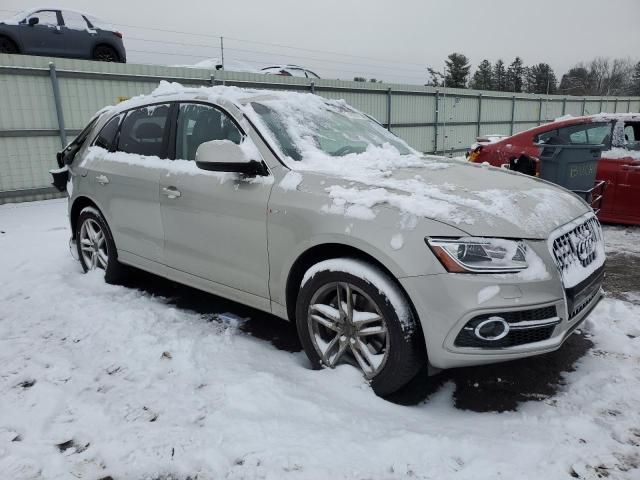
479,255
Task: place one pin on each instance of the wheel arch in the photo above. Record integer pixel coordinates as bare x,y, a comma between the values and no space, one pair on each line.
13,38
78,204
326,251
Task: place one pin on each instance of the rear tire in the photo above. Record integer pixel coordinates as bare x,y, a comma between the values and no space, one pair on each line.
380,337
96,247
8,46
105,53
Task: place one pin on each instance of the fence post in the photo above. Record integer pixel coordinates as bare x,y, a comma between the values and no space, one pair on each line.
435,134
479,114
615,105
389,108
56,97
513,112
564,105
312,86
212,79
600,105
584,105
629,105
539,110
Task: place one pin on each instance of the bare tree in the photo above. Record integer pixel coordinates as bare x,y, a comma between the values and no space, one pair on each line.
610,77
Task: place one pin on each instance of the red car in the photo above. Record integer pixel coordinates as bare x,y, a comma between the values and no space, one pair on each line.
619,166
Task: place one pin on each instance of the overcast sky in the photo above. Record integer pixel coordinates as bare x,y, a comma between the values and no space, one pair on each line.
399,38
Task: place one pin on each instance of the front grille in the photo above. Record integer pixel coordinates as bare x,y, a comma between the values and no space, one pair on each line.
518,335
579,246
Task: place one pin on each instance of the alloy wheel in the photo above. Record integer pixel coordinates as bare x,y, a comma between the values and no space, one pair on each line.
93,245
346,325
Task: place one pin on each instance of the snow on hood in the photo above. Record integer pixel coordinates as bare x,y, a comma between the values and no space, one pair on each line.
479,200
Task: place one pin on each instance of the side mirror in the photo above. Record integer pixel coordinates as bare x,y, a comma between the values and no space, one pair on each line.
226,156
33,21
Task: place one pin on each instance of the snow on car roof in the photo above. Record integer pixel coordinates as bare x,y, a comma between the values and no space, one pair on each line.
171,91
599,117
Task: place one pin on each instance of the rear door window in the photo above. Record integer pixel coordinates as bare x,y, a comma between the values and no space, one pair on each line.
197,124
74,20
144,131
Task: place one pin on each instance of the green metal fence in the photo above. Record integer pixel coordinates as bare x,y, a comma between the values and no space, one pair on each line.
44,102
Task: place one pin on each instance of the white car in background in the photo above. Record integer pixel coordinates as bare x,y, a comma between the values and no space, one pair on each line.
290,71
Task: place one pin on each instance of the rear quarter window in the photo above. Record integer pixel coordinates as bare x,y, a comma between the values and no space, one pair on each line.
107,137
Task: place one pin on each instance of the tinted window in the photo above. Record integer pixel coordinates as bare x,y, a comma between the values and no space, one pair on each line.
198,124
584,133
143,131
545,136
45,17
107,137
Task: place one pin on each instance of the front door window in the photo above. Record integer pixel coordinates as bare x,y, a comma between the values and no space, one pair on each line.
198,124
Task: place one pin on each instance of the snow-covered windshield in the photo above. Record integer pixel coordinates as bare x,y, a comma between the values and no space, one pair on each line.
18,17
329,126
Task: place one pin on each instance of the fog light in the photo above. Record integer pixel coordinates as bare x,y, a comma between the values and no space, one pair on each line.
492,329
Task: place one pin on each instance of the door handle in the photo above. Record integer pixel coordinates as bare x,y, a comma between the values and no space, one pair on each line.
102,179
171,192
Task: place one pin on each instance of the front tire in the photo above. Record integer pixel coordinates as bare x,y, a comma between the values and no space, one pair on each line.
350,312
96,248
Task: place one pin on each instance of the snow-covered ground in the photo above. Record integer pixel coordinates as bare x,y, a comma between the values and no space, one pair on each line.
99,380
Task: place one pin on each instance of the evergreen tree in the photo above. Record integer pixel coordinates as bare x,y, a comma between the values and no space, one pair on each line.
576,82
482,78
515,74
541,79
457,70
499,77
435,78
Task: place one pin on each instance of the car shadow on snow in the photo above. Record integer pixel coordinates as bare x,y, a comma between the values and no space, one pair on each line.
498,387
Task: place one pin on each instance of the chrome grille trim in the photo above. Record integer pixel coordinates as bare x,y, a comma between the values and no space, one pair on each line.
577,249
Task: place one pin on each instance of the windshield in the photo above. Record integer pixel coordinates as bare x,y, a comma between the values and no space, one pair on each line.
331,127
18,17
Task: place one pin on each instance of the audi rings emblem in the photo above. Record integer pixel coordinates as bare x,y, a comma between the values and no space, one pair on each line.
586,245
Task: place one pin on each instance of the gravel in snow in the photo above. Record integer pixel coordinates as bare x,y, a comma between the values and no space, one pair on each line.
99,380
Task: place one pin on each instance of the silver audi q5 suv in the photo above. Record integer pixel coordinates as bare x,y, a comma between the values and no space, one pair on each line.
307,209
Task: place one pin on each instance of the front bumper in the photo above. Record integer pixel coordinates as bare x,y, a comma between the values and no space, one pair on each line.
446,303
